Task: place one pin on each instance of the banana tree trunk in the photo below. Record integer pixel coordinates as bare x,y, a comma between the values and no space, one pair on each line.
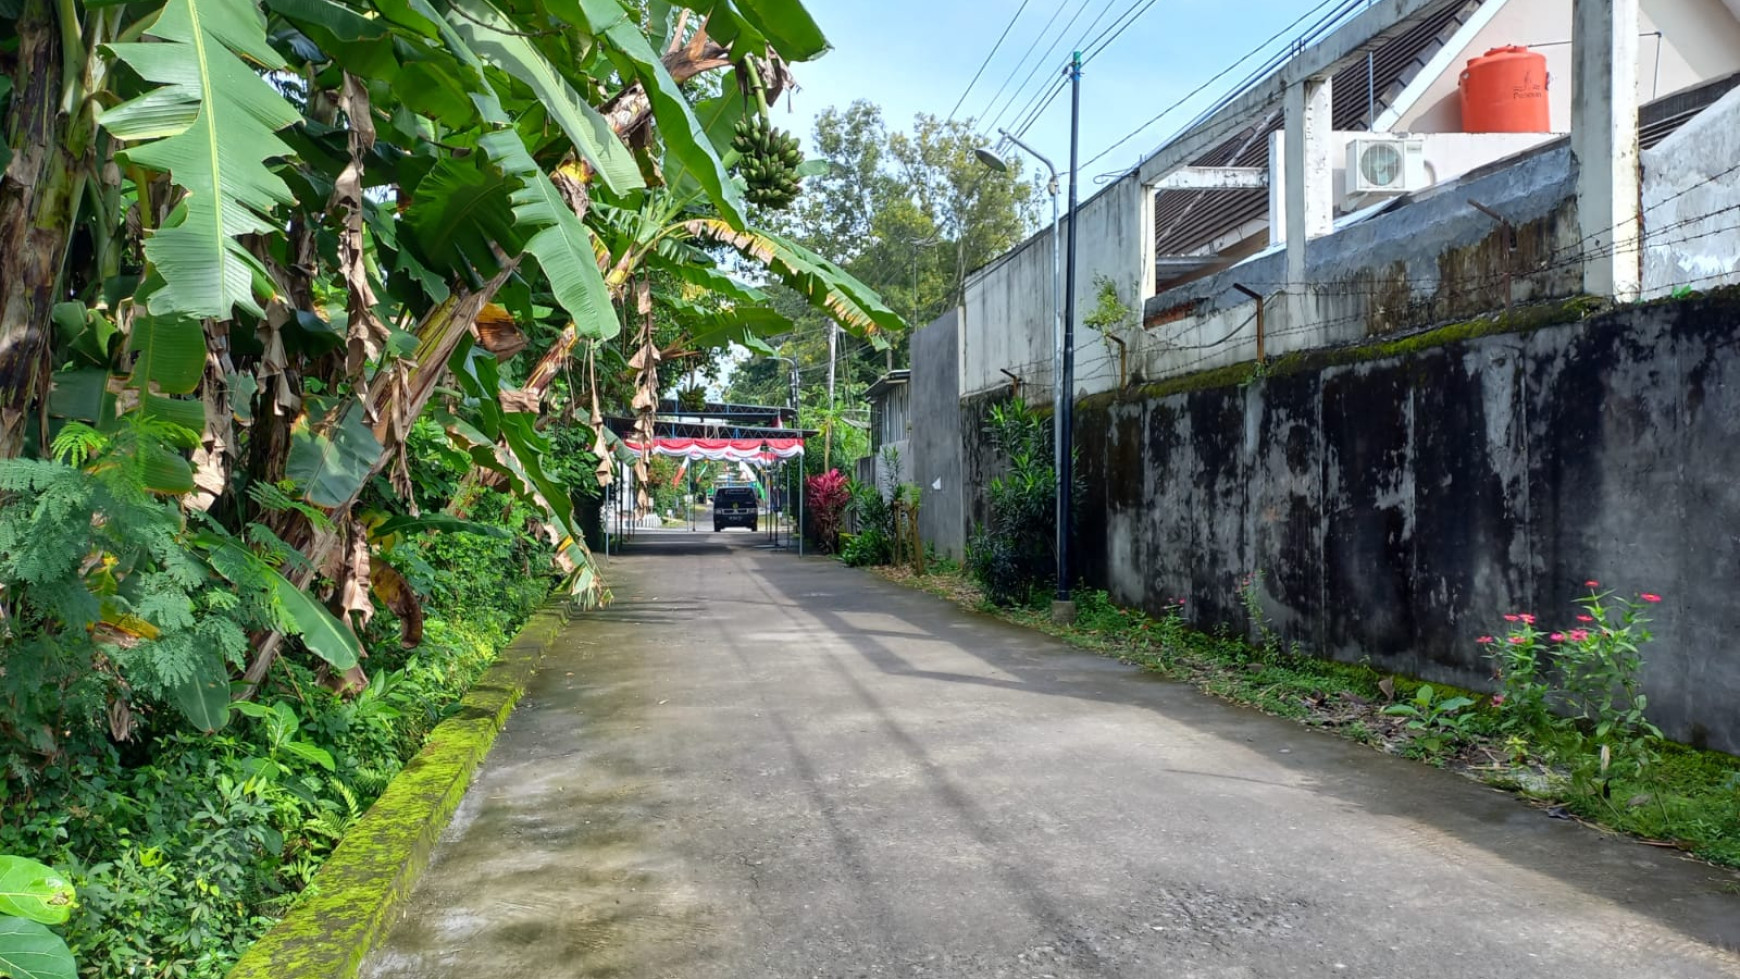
36,209
389,403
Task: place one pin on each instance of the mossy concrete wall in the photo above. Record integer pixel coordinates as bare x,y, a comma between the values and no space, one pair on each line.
360,889
1399,497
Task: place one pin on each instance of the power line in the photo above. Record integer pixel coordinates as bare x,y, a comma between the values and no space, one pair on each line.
1043,96
1023,59
1030,113
1222,74
1100,43
1043,60
1080,41
983,64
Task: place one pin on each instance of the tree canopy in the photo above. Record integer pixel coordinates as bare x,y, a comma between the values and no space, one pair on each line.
908,213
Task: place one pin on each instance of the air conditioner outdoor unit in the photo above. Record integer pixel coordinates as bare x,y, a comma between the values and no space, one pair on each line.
1380,165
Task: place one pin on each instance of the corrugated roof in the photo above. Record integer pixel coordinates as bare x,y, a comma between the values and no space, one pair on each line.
1189,221
1661,118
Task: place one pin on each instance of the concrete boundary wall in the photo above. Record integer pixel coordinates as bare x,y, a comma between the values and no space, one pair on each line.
934,445
1007,319
360,890
1399,498
1691,203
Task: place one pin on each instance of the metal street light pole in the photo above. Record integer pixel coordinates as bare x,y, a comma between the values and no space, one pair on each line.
1066,429
991,159
1063,332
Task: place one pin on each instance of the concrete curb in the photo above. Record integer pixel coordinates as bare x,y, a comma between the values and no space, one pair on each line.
358,892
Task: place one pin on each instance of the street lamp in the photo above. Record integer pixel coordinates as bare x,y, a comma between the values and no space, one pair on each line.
1063,326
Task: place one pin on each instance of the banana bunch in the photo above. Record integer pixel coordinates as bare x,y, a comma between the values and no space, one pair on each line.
769,161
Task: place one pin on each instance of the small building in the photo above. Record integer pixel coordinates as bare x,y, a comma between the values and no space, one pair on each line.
890,430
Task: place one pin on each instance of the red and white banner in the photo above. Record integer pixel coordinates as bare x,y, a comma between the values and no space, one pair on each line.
725,450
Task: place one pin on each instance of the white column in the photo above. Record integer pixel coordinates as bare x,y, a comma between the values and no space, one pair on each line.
1278,188
1310,193
1604,142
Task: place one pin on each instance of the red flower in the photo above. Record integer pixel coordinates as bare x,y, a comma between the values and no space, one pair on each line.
1592,584
1517,640
1510,618
1585,618
1527,618
1578,635
1484,640
1557,637
1648,597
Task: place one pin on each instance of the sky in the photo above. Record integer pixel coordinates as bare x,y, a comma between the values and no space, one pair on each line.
913,56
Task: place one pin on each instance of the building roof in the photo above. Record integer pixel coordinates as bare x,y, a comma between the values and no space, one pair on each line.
1187,222
886,383
1660,119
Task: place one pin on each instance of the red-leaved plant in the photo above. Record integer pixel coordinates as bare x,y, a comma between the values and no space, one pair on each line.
826,496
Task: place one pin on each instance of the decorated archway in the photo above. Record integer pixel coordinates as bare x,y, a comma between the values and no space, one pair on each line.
755,451
755,445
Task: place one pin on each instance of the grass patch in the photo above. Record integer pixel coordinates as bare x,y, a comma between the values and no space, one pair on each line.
1687,798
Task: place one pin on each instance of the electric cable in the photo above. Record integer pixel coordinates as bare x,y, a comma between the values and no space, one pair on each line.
986,63
1043,59
1110,34
1023,59
1217,77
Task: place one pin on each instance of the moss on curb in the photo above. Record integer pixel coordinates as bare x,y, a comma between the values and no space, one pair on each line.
358,892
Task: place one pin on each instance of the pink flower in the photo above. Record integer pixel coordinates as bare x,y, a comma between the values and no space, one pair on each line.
1527,618
1578,635
1510,618
1517,640
1484,640
1557,637
1497,699
1648,597
1592,584
1585,618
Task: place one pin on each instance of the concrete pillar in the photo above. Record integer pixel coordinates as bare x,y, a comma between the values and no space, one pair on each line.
1308,171
1604,142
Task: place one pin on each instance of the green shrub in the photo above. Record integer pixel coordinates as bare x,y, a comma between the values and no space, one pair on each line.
185,847
1014,553
873,543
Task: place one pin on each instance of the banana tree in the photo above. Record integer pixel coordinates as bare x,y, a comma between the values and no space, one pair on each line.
269,231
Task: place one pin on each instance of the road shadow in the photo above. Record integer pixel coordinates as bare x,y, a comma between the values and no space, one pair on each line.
1699,901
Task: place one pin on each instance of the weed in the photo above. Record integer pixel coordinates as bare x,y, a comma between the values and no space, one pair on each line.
1439,722
1251,597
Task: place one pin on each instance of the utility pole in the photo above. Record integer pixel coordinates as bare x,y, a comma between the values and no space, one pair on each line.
1063,609
828,434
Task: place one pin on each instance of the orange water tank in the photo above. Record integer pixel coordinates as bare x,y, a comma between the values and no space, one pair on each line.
1505,91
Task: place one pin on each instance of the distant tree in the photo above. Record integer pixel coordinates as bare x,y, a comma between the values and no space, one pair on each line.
910,214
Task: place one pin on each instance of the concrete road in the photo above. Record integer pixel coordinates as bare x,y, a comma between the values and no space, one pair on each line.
760,767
